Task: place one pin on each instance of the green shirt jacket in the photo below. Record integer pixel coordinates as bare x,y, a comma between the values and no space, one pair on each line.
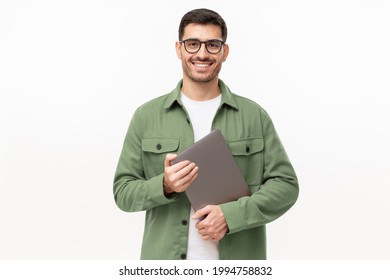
162,126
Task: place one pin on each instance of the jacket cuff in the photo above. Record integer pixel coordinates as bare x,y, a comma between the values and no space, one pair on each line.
232,213
156,191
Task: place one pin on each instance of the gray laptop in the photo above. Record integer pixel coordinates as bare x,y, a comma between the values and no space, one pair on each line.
219,178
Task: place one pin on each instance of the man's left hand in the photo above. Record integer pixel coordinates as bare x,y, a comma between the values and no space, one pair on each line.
214,226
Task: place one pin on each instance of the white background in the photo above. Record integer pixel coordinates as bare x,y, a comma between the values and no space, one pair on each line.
73,72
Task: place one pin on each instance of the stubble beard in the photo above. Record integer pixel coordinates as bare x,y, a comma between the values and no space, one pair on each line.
200,78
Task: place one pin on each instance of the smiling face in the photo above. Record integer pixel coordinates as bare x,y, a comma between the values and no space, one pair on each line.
202,66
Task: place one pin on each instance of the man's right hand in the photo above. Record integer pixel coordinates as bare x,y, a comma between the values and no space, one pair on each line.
179,176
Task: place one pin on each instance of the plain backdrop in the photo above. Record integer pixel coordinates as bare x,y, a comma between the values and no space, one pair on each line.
73,72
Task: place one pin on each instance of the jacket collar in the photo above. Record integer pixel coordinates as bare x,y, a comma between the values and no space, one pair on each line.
227,96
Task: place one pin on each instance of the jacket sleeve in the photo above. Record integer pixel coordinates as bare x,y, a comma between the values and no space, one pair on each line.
132,192
277,192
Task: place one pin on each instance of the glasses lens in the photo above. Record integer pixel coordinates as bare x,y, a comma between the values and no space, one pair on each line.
213,46
192,45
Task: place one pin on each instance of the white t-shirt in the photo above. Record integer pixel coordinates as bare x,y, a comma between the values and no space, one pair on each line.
201,114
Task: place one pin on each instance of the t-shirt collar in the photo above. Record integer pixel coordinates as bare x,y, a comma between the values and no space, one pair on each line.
227,96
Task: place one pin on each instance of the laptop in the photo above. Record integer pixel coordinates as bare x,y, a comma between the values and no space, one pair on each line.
219,178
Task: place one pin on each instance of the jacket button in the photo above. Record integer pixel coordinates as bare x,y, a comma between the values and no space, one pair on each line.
158,146
184,222
247,149
183,256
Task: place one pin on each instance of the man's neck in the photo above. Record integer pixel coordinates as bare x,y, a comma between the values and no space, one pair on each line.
200,91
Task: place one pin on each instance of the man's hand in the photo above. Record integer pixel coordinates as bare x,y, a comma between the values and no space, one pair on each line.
214,226
179,176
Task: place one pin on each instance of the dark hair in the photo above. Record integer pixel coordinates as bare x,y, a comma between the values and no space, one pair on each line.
202,16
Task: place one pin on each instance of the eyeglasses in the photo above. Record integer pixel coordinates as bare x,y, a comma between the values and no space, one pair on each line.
212,46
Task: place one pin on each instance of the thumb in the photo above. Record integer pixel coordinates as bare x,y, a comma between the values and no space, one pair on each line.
202,212
168,159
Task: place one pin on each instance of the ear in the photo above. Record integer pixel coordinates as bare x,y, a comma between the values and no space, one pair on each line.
178,50
225,52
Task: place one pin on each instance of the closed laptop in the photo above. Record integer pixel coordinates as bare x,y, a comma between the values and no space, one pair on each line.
219,178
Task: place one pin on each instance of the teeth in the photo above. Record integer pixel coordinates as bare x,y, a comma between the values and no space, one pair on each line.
202,65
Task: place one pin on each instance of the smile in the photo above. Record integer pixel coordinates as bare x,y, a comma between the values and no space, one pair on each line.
201,65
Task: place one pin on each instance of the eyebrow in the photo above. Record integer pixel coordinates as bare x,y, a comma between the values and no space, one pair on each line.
203,41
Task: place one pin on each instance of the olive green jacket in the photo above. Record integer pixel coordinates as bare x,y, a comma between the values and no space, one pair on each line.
162,126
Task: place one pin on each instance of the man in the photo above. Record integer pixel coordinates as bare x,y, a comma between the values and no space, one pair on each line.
165,126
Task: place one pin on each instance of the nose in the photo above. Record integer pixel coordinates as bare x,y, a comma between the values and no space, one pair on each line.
202,51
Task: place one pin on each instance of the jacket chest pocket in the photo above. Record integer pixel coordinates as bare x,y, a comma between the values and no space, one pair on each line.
154,151
248,154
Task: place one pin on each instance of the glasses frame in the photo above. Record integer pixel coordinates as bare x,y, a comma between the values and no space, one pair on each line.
200,45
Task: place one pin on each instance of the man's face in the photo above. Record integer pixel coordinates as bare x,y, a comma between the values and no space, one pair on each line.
201,66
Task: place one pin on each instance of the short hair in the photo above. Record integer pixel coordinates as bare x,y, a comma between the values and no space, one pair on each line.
202,16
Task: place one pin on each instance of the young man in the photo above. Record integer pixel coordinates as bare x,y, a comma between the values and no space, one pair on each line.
165,126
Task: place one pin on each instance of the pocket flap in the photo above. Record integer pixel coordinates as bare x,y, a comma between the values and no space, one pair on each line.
246,146
159,146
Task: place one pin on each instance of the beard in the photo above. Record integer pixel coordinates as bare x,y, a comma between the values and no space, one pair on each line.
201,77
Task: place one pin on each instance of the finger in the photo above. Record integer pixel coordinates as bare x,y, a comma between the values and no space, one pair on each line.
186,174
180,185
216,237
186,171
179,166
181,177
168,159
188,180
183,185
202,212
204,232
206,237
